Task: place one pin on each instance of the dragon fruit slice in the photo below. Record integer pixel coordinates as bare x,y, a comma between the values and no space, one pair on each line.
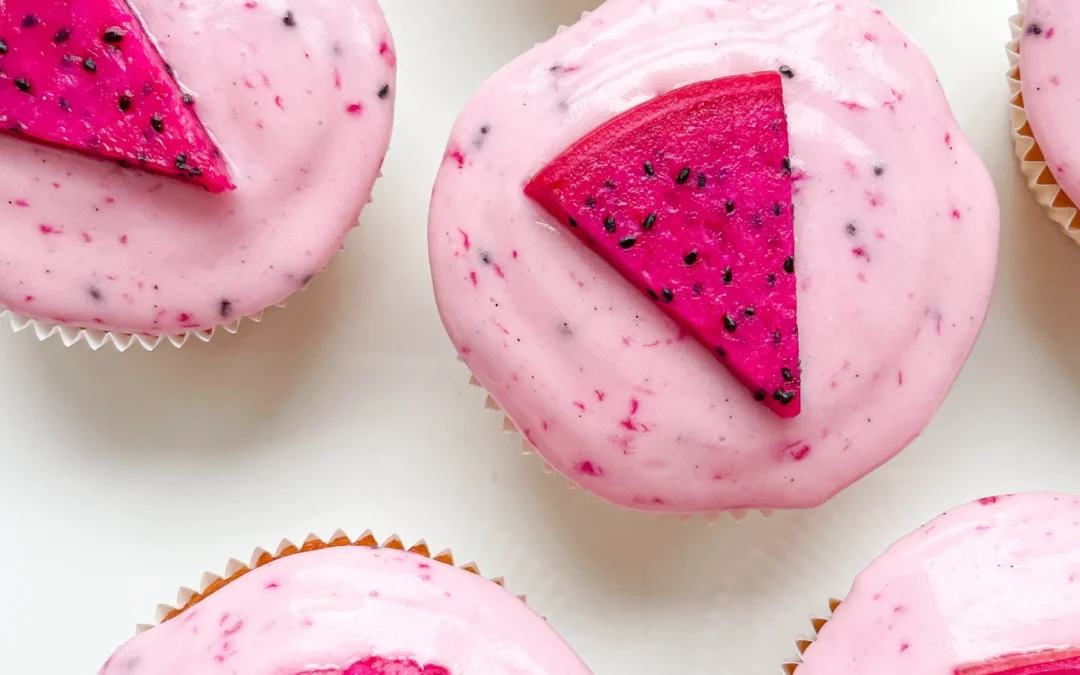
84,75
1064,662
688,196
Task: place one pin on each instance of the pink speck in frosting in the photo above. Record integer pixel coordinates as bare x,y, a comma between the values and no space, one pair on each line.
801,452
600,395
457,155
124,239
465,239
904,646
987,501
853,106
22,203
476,282
355,108
272,585
86,237
587,468
49,229
579,405
869,37
279,102
388,54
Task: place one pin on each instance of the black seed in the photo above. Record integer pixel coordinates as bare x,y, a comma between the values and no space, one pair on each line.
777,338
157,122
786,166
683,176
727,275
591,202
573,223
667,294
789,265
770,280
702,180
777,208
721,353
757,219
89,65
609,184
30,20
94,292
225,309
385,91
142,157
1033,29
609,223
485,257
786,374
188,100
64,105
113,35
289,19
729,323
168,68
759,395
649,221
627,242
784,397
3,47
147,89
749,311
23,85
653,295
850,227
194,171
181,162
125,101
697,289
729,206
879,169
62,35
17,128
690,258
787,72
649,171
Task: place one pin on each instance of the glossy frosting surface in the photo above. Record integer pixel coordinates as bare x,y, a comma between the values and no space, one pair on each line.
1049,52
302,110
996,577
896,231
332,610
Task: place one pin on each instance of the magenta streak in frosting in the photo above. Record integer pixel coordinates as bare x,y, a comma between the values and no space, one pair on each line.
377,665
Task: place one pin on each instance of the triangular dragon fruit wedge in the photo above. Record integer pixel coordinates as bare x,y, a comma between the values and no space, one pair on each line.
688,196
1050,662
84,75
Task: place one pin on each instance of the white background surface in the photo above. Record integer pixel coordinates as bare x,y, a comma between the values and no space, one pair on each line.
125,476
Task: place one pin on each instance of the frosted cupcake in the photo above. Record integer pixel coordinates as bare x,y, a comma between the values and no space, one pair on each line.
174,170
714,256
991,588
1046,43
349,608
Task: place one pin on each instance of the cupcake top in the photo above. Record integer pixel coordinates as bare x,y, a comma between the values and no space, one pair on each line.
352,611
154,194
987,589
1049,47
608,369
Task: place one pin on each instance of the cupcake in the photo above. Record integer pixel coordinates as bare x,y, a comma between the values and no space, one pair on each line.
714,256
348,608
167,170
1046,34
991,588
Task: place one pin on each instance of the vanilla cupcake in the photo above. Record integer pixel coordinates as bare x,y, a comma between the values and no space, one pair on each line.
348,607
713,256
168,170
991,588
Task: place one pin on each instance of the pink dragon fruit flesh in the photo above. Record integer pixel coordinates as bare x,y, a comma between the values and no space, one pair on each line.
1059,662
688,196
84,75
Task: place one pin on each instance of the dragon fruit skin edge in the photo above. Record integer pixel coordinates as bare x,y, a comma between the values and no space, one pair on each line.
84,75
689,197
1037,663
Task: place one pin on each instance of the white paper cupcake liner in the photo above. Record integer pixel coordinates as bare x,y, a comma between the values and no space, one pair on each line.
803,643
96,339
211,582
510,427
1058,206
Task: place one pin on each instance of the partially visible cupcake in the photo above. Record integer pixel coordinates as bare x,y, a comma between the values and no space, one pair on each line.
991,588
348,607
711,255
1045,104
168,169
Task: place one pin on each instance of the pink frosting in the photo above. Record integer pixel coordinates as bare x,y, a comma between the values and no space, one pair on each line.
994,578
1050,50
302,110
896,233
352,611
